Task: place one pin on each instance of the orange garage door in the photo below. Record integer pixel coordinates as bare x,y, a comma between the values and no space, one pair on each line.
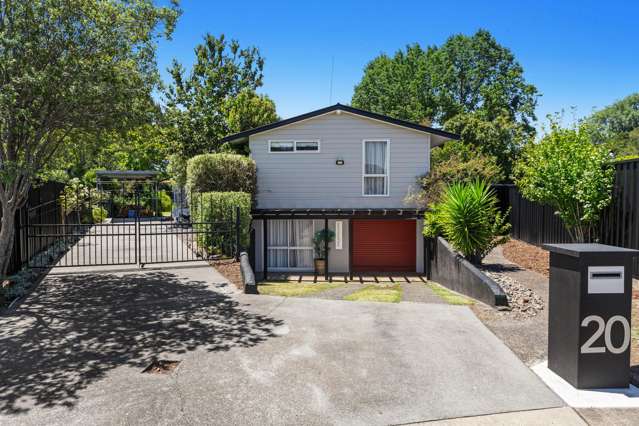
383,245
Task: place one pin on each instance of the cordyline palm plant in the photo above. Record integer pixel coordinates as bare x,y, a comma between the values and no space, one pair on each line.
468,217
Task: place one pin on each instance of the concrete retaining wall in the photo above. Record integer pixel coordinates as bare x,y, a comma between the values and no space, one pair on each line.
451,270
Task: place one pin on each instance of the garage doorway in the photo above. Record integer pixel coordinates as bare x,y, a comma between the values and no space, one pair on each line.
384,245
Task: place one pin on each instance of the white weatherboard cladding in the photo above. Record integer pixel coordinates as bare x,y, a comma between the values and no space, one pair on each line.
313,180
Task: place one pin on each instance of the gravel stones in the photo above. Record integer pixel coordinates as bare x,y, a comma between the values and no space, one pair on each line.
522,302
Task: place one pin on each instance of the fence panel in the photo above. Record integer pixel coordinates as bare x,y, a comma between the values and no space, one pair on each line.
44,208
619,225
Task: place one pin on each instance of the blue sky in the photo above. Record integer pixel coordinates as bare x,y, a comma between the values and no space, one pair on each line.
579,54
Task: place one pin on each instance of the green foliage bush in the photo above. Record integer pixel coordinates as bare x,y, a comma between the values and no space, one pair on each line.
570,174
468,217
221,173
220,207
453,162
164,201
99,214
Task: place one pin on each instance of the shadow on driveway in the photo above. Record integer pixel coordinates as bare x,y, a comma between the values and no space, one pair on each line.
75,328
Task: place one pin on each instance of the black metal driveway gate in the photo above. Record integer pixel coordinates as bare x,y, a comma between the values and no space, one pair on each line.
122,240
129,243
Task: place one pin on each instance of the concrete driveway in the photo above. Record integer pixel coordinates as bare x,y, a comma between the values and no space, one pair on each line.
74,352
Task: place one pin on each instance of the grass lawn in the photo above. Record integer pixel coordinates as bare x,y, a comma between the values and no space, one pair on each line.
449,296
377,293
291,289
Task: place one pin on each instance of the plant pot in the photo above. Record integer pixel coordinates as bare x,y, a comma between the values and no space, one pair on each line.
320,266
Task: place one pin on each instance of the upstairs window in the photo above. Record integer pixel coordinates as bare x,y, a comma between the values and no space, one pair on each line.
375,168
281,146
294,146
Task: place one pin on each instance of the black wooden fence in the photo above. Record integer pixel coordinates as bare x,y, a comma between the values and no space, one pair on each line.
43,207
537,224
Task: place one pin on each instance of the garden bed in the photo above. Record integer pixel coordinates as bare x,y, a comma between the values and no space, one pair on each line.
230,269
527,256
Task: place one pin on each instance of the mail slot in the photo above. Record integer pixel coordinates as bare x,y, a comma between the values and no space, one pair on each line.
590,296
605,279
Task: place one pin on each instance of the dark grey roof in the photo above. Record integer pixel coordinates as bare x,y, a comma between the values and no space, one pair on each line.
242,135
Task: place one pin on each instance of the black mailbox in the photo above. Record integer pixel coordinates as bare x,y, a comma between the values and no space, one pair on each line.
589,314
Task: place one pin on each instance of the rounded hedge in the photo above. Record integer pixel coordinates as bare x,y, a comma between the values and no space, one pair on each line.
221,173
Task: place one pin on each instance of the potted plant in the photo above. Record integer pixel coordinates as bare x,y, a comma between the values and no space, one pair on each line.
321,239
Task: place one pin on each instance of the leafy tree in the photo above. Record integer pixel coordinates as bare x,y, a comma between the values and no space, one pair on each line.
247,111
500,138
477,73
140,148
398,86
196,102
570,174
468,217
453,162
471,85
67,66
617,126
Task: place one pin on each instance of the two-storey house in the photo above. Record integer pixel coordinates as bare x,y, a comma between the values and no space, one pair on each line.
345,169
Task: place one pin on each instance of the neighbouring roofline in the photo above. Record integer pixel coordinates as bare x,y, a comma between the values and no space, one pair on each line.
243,136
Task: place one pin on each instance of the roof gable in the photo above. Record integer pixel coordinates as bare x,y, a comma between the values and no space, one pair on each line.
243,136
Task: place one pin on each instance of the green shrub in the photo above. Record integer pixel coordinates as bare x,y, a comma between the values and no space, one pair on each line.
571,175
468,217
99,214
220,207
221,173
453,162
164,201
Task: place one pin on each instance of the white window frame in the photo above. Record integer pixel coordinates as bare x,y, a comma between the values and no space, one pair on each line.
288,248
386,175
294,141
338,234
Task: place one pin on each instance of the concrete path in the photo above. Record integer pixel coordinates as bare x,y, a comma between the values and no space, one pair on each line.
74,352
552,416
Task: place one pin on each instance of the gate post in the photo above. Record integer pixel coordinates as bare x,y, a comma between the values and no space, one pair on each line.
237,233
26,229
138,242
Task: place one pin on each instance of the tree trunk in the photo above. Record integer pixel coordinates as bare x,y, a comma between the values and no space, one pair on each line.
7,236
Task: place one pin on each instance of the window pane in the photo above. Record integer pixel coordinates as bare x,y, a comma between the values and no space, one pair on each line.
300,258
278,258
375,158
281,146
277,233
374,185
338,235
301,233
306,146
